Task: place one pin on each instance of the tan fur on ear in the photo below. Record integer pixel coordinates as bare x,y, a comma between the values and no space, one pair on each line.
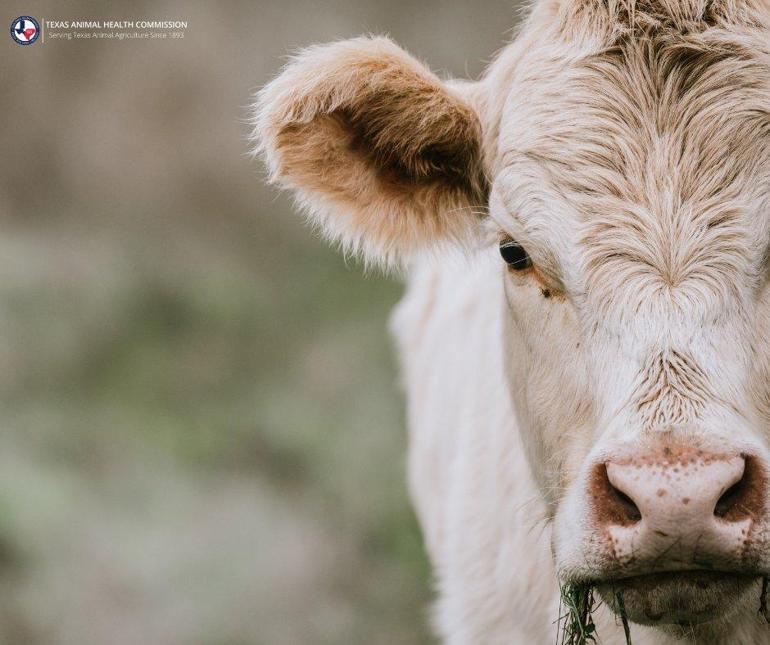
381,153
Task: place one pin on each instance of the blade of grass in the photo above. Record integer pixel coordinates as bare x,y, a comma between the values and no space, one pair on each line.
623,617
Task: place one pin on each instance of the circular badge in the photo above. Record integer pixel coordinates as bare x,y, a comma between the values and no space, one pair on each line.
25,30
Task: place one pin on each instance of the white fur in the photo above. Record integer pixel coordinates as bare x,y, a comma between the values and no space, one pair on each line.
483,515
626,146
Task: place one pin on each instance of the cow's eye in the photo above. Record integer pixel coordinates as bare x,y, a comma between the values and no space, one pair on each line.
514,255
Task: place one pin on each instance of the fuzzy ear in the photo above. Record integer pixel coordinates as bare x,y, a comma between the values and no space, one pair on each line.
380,152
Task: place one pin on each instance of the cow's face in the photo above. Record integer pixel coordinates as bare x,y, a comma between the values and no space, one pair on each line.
626,179
637,180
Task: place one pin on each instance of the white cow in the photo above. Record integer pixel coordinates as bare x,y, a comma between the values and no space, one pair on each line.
586,333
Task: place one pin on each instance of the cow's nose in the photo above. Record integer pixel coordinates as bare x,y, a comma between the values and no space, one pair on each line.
669,491
689,509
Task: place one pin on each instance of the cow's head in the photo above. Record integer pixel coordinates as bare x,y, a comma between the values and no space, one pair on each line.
620,153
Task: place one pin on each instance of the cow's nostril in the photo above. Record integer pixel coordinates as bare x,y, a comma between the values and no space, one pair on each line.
731,499
631,510
612,505
744,498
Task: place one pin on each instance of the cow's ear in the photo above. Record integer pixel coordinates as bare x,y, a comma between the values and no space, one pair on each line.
381,153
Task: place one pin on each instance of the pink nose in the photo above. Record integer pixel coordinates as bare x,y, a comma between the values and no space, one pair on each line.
682,509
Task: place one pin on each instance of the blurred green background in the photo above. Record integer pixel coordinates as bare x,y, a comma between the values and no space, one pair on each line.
201,432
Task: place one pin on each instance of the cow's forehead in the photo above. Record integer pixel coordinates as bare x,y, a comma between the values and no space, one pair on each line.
643,117
649,143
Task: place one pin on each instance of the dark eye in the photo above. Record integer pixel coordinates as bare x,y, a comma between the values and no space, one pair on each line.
515,255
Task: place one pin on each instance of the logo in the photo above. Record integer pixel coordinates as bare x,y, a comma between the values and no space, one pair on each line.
25,30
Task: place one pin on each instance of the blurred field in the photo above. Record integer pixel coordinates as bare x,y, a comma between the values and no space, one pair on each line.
202,436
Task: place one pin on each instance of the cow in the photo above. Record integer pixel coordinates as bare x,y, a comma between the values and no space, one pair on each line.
585,333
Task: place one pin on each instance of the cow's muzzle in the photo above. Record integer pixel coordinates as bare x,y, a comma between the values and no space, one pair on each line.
680,529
